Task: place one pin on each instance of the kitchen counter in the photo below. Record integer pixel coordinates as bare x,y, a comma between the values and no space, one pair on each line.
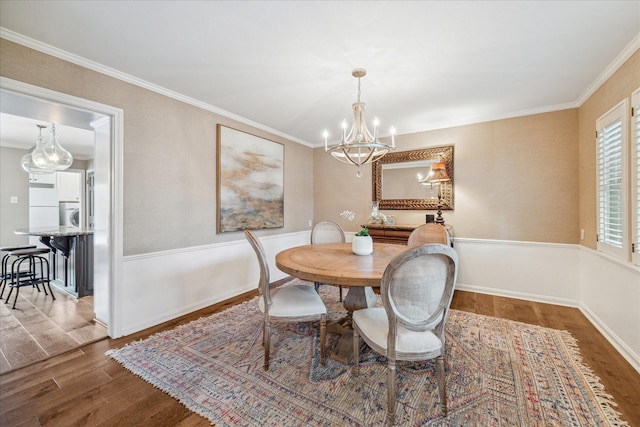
54,231
73,248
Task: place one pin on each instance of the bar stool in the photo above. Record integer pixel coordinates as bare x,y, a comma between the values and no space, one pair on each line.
4,276
29,268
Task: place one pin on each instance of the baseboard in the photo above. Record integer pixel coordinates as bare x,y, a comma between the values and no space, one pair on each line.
620,346
519,295
608,334
166,316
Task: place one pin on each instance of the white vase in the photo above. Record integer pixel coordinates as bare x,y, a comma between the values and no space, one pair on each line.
362,245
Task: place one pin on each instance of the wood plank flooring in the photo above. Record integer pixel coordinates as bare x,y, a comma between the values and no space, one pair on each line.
85,387
40,327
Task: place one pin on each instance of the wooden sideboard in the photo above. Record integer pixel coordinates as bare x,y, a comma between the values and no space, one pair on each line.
397,234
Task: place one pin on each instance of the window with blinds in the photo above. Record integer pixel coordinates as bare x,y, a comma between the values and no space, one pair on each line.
612,186
635,181
610,189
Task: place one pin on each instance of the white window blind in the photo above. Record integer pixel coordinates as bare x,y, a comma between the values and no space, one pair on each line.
610,171
635,181
612,215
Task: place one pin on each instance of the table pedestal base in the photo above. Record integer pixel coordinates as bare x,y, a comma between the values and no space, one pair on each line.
357,298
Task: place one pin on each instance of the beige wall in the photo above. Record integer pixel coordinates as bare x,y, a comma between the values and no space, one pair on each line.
13,182
529,178
618,87
169,155
515,179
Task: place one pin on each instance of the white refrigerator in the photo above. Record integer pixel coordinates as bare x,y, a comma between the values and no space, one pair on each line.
43,210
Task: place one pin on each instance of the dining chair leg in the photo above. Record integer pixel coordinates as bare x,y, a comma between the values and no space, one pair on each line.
323,334
340,293
441,385
356,353
391,391
267,343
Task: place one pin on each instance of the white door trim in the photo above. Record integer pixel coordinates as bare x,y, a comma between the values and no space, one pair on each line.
115,233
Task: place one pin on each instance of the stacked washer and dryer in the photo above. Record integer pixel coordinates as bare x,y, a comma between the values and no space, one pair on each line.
70,214
69,185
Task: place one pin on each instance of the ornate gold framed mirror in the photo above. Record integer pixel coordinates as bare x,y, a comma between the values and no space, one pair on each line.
400,180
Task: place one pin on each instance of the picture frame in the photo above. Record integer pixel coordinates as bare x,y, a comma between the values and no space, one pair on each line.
250,181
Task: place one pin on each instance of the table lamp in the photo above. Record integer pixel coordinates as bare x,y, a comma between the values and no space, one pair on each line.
439,174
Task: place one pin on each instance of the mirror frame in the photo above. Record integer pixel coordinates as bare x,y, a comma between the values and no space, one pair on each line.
443,153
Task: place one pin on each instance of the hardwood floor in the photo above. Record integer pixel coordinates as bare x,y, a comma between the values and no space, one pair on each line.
40,327
85,387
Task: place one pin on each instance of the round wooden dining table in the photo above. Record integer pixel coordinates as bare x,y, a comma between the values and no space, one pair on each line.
336,264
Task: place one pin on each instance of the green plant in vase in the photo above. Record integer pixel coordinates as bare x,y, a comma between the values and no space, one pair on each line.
364,231
362,243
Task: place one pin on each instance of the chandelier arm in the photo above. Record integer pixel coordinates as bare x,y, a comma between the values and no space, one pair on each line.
369,157
345,158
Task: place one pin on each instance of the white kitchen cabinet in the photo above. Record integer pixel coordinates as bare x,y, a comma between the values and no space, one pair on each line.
49,178
69,186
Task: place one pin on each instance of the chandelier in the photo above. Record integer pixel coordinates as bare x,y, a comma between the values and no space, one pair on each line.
47,157
27,162
359,146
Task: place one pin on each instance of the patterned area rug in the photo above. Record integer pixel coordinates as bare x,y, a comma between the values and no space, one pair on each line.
498,373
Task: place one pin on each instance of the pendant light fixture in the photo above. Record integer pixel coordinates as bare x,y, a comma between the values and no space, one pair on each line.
27,162
359,146
52,155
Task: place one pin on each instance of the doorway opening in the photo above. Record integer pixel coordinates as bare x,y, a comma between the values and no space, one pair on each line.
101,182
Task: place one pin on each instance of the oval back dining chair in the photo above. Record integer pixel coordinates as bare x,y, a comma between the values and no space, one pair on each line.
289,303
327,232
416,291
429,233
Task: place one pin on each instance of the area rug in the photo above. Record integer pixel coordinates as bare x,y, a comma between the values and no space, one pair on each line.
498,373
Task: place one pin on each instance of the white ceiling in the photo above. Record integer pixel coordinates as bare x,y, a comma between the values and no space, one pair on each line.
285,66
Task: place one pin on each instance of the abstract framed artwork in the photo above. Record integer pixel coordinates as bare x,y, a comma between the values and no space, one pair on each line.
250,181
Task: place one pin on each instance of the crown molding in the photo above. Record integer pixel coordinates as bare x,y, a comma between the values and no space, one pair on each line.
83,62
612,68
95,66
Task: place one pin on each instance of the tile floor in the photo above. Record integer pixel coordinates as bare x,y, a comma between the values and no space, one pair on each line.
40,327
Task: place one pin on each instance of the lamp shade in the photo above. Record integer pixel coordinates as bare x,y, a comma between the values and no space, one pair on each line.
439,172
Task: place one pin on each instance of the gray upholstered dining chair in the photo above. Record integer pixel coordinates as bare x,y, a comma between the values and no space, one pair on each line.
327,232
429,233
416,291
290,303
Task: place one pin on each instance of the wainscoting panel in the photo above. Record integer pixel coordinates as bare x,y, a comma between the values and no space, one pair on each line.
611,300
161,286
543,272
164,285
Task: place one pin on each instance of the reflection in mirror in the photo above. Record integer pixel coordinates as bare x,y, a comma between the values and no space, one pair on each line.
396,179
401,180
